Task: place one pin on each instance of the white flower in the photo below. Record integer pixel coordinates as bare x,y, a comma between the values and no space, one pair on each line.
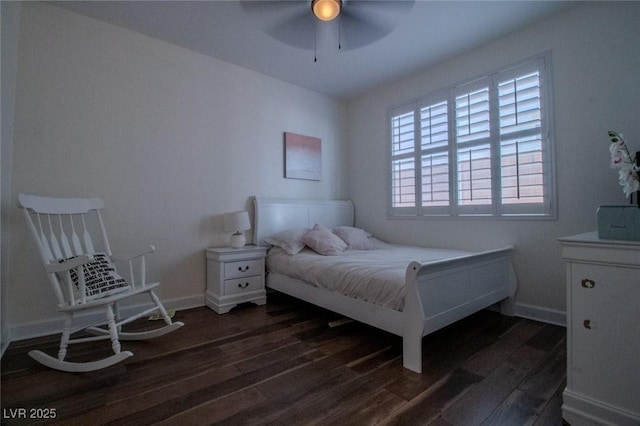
621,158
628,181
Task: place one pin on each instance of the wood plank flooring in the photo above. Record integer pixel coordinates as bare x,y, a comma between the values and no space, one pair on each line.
282,364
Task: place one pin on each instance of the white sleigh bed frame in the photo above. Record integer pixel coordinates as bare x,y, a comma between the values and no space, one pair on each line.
437,294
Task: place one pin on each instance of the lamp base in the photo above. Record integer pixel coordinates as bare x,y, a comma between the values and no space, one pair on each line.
237,240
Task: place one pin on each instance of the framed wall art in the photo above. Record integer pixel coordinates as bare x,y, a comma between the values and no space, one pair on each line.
302,157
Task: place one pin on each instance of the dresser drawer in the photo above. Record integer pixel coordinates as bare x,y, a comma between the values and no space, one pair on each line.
242,285
599,289
604,333
243,268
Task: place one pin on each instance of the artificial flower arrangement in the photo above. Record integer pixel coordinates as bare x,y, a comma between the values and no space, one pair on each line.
628,165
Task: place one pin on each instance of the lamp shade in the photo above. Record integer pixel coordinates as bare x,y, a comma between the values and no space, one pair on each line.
237,221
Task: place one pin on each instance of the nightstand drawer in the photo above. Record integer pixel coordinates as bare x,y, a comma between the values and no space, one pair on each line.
242,285
243,268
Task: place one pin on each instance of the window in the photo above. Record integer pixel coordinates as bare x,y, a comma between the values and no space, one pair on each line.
482,148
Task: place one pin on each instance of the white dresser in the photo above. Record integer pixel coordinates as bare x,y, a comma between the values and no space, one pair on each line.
603,331
235,275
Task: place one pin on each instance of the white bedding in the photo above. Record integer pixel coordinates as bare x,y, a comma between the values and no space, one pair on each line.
375,276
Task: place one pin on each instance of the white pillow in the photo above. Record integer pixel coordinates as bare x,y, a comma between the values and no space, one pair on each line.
100,277
321,240
356,238
289,240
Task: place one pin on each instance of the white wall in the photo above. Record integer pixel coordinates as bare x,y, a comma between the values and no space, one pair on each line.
171,139
595,59
10,12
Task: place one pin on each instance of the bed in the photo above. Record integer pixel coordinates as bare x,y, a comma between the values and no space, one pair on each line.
437,287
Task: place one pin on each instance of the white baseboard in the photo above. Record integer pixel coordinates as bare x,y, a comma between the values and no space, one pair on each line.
538,313
578,409
54,325
5,342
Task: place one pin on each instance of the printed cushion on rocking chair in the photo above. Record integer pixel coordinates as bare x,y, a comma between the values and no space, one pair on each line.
100,277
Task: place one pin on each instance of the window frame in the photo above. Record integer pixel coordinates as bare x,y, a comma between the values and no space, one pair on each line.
497,208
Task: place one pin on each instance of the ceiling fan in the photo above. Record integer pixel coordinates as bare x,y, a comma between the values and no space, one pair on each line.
357,22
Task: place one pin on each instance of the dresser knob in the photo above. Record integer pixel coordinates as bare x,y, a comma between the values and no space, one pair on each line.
587,324
587,283
241,285
243,268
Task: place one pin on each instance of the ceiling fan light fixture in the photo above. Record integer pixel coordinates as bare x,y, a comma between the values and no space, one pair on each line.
326,10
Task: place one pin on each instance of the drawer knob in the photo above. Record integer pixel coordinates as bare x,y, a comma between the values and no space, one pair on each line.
587,324
243,285
243,268
587,283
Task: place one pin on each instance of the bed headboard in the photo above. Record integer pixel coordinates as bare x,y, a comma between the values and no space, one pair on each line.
273,215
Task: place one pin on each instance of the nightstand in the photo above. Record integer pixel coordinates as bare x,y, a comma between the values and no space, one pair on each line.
235,276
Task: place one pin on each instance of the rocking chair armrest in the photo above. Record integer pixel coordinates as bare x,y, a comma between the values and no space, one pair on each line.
129,256
68,265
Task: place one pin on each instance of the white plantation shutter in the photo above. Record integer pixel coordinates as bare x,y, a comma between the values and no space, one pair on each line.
473,148
519,99
480,148
472,114
404,178
435,180
525,166
434,147
403,163
474,177
403,134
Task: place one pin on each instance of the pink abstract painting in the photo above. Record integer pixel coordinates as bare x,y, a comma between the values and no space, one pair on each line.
303,157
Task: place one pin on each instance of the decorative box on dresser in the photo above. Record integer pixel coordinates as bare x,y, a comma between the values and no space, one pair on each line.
603,331
235,275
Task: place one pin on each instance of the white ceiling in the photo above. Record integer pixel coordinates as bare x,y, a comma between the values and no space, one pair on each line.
427,33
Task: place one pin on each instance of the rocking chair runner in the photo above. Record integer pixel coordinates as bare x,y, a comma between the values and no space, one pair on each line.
84,279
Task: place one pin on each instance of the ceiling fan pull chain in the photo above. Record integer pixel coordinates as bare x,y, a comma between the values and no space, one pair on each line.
315,43
339,33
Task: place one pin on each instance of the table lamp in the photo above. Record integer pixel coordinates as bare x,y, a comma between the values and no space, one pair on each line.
237,222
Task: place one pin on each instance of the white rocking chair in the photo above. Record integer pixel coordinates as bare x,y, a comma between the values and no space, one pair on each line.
85,280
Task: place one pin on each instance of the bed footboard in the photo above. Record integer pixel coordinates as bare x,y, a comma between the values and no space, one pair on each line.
441,293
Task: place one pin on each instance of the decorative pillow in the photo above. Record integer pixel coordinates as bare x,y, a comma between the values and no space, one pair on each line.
100,277
290,240
356,238
321,240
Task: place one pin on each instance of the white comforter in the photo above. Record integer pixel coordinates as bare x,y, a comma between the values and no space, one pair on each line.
375,276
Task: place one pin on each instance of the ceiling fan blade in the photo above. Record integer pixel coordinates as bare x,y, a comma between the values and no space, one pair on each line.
357,32
379,6
366,21
298,31
273,9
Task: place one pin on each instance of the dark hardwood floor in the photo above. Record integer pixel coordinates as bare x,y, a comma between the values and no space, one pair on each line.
283,364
